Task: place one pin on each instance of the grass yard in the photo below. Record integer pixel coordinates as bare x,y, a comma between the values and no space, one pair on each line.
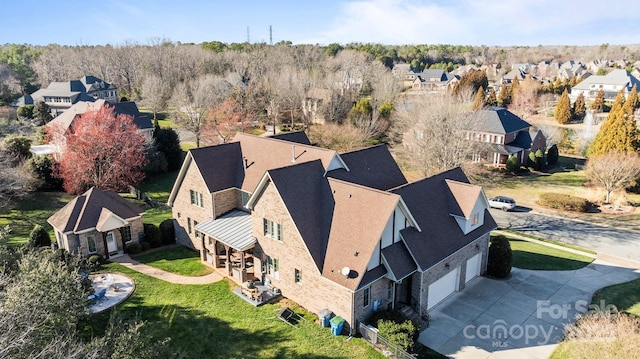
159,186
33,209
625,296
175,259
529,255
208,321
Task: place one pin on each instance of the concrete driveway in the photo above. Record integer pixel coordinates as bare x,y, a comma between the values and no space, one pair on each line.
521,317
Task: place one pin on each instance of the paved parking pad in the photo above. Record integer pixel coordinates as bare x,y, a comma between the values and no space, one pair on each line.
522,316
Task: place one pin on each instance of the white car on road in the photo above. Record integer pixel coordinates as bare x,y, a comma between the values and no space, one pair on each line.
503,203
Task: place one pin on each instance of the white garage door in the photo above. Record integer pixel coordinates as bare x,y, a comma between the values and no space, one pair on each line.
473,267
441,288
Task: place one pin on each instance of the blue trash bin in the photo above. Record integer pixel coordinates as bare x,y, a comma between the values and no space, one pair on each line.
337,323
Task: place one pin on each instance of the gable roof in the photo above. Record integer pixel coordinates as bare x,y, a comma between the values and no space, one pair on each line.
618,77
440,236
399,260
372,167
263,153
309,201
498,120
297,137
86,211
464,197
220,166
359,218
65,120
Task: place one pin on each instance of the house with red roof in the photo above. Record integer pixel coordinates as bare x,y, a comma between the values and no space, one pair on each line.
344,232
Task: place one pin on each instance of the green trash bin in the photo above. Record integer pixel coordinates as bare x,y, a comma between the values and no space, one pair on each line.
337,323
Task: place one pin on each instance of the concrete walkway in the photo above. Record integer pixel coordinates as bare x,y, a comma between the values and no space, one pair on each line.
521,317
126,261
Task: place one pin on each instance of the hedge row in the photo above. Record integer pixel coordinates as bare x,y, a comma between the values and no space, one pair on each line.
564,202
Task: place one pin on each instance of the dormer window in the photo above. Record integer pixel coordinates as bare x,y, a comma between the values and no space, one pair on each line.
475,219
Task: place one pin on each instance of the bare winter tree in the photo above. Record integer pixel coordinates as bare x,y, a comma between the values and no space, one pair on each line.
613,171
15,181
192,100
555,135
155,93
435,132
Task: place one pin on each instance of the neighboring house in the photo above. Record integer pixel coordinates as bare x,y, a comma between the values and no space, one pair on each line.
313,102
97,222
60,96
611,84
60,126
505,135
343,232
433,80
404,73
577,70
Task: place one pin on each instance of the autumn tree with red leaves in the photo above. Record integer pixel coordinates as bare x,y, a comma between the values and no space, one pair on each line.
102,150
224,121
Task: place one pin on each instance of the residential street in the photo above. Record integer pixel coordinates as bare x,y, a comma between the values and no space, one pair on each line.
603,239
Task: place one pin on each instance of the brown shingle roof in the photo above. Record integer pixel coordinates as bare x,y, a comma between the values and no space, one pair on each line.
372,167
220,166
308,198
359,218
84,211
263,153
297,137
440,236
465,196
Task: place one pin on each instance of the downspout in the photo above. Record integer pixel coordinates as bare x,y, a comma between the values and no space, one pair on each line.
353,313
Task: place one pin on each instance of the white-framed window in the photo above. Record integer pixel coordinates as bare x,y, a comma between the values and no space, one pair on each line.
91,244
298,276
195,223
390,286
196,198
189,224
474,219
272,229
272,267
366,297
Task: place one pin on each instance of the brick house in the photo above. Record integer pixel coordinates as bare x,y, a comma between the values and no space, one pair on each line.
97,222
504,134
343,232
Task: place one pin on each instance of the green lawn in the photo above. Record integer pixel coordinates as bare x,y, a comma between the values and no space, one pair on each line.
175,259
529,255
159,186
209,321
625,296
33,209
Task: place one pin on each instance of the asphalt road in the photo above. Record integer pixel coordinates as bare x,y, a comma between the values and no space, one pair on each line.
603,239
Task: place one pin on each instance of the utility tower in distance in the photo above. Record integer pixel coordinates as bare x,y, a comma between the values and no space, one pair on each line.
270,35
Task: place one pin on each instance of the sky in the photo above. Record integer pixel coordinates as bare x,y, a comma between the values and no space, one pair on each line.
456,22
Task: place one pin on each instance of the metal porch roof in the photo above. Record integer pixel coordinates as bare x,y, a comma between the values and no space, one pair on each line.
232,229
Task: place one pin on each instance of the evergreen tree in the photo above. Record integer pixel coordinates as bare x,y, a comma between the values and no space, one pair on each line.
598,102
39,237
632,98
513,89
491,100
513,164
42,112
503,97
579,108
478,102
619,132
552,155
562,114
573,81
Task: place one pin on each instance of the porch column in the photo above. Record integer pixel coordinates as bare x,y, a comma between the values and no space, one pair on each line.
227,263
124,246
104,243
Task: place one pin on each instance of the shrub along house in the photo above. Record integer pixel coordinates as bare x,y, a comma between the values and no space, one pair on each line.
97,222
343,232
